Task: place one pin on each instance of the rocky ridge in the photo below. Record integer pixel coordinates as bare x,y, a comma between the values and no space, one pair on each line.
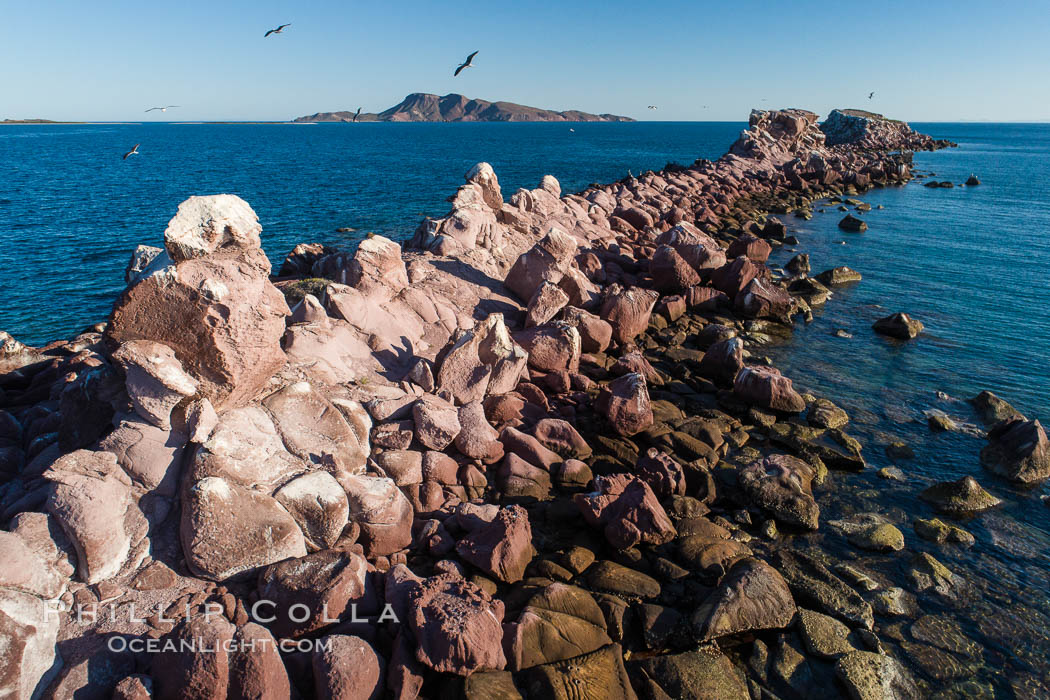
529,455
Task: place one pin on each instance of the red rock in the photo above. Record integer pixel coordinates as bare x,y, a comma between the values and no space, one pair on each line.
219,313
318,504
662,473
763,299
151,456
483,360
437,422
230,531
1018,450
545,304
477,439
766,387
705,298
635,362
591,266
595,333
753,596
628,510
201,419
502,548
308,310
382,511
456,625
559,622
396,435
560,437
782,485
732,278
551,347
751,246
185,674
628,311
90,497
377,265
518,479
528,448
671,272
134,688
256,668
580,290
347,668
635,216
313,429
154,379
722,361
546,261
672,307
439,467
625,404
310,593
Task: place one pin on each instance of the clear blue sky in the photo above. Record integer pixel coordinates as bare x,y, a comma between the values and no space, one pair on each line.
944,60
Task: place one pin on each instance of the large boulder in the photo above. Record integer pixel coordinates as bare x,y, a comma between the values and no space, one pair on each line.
229,531
318,504
627,510
559,622
382,511
316,431
625,404
307,594
722,361
206,225
782,485
898,325
753,596
1018,450
552,347
671,272
503,547
214,306
90,498
547,261
154,379
628,311
347,668
766,387
28,639
456,624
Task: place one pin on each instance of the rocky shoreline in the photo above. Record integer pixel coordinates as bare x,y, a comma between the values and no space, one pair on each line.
533,453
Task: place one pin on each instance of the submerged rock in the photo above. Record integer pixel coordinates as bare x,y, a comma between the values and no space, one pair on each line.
852,224
870,676
898,325
959,497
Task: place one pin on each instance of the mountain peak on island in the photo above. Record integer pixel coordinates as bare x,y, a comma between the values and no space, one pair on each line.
425,107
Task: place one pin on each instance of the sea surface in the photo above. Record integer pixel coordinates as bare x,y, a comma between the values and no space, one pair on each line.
969,262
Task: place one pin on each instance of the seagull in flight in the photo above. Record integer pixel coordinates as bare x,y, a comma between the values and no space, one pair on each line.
133,152
162,109
279,30
466,64
870,95
357,114
652,107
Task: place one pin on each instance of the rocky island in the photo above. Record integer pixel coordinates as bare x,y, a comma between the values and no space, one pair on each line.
425,107
531,453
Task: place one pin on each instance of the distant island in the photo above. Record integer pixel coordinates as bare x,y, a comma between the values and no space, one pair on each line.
34,121
425,107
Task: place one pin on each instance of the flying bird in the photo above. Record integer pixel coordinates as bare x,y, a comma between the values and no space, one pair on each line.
652,107
357,114
162,109
133,152
279,30
466,64
870,95
572,130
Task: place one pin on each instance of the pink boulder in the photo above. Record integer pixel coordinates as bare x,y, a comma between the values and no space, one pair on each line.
628,510
628,311
625,403
502,548
766,387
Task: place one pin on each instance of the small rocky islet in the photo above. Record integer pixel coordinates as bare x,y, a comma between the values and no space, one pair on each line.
533,453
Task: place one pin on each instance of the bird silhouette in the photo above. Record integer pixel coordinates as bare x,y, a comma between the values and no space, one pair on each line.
162,109
133,152
279,30
870,95
466,64
652,107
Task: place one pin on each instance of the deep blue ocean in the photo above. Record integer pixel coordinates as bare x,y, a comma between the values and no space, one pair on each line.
968,262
